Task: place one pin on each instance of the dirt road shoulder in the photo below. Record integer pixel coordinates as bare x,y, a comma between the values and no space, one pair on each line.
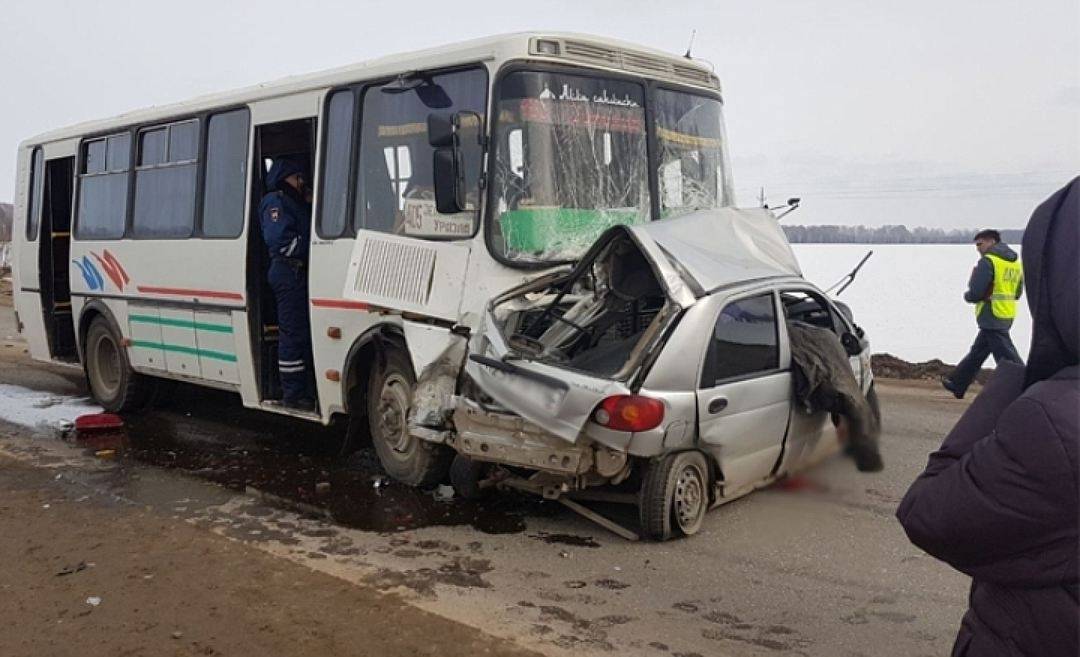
169,588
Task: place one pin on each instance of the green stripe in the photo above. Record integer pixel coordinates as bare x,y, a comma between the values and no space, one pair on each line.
206,353
182,323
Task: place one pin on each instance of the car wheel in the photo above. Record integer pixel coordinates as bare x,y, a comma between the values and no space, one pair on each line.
674,496
405,458
112,381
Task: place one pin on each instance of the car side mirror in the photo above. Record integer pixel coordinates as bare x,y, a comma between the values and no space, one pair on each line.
852,344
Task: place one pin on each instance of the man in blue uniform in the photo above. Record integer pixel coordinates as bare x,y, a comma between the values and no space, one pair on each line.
285,216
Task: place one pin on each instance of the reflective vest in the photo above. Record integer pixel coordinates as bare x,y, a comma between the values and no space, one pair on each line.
1007,278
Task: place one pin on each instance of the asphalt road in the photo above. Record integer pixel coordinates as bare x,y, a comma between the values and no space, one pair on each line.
818,566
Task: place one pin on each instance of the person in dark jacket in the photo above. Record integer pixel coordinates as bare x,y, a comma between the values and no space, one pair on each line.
285,217
995,285
999,500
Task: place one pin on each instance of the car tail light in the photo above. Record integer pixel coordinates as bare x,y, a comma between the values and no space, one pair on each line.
629,413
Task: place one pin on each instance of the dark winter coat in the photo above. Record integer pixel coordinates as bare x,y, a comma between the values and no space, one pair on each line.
284,214
999,499
981,285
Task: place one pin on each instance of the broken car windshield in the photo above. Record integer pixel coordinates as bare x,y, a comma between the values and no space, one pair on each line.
571,154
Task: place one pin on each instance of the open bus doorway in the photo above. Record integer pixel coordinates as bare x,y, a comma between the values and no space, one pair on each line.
54,259
272,141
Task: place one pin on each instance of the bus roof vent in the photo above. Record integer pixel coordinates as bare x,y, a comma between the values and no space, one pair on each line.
627,60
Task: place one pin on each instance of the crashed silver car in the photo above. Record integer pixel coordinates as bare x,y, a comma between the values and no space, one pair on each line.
656,371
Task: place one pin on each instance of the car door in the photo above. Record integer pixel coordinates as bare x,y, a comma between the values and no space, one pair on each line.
744,396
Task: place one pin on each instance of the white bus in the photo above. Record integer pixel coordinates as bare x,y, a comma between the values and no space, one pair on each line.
441,178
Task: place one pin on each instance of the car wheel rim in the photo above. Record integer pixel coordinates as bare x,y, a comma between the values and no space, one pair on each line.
107,366
394,413
689,497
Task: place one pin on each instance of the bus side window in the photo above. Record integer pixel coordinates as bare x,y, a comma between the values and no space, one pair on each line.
338,140
394,178
165,181
103,188
226,174
36,185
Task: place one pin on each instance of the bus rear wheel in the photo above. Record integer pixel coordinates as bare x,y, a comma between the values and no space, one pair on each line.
113,383
405,458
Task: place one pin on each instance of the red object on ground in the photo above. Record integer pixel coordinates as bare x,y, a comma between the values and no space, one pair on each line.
98,422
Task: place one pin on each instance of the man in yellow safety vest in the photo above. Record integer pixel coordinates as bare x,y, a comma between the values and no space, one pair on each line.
996,283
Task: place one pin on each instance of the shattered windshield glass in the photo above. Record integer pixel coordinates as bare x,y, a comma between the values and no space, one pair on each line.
692,168
571,162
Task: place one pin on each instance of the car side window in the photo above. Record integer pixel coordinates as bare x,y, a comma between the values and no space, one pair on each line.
744,341
803,306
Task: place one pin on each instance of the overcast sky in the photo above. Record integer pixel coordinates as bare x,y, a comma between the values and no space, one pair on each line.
952,113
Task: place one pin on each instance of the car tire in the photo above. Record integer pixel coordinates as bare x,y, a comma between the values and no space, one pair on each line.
405,458
674,496
112,381
465,475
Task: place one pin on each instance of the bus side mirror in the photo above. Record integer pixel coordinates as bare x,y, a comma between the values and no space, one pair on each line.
448,165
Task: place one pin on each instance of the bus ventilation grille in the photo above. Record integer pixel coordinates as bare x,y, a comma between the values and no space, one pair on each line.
637,62
393,270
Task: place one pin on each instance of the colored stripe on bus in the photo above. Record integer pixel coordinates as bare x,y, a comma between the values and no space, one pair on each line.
184,292
182,323
181,349
343,304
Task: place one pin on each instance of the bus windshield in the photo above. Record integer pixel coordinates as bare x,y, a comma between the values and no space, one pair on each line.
571,162
692,170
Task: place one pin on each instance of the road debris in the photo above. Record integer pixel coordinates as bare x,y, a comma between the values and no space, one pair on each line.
71,570
93,600
444,493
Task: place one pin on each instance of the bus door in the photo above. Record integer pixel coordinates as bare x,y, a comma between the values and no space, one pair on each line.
272,140
53,258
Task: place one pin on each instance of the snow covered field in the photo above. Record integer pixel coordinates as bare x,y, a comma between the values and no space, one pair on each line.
909,297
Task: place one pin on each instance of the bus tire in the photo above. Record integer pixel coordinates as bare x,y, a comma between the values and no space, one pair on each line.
112,381
405,458
674,496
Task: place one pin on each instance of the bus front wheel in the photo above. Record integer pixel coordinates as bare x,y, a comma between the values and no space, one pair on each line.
404,457
113,383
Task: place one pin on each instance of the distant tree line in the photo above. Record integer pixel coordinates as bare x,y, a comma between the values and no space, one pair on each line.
888,235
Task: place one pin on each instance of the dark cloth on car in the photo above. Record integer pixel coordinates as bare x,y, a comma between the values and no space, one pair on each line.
824,382
981,284
999,500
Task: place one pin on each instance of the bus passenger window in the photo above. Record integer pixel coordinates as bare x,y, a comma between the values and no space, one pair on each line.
334,200
394,179
103,188
165,182
37,180
226,174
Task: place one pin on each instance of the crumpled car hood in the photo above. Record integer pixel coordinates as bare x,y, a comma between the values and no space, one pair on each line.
724,246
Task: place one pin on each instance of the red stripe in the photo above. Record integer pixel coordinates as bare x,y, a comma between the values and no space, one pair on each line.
116,263
184,292
340,303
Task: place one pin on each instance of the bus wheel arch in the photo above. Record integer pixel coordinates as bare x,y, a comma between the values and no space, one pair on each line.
93,308
366,354
112,381
379,385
